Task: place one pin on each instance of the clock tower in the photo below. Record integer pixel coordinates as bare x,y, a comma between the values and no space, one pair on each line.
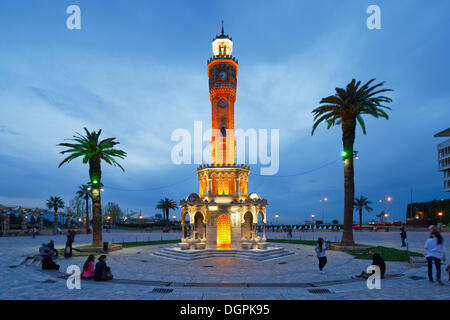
222,71
223,215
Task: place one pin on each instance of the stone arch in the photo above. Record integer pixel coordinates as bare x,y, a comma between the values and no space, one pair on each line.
232,184
226,184
214,183
247,225
223,224
220,184
205,184
199,225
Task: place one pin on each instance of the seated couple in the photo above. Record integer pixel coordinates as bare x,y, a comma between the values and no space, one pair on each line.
101,272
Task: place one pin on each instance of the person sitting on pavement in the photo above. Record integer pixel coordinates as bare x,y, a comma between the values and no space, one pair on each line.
48,263
88,267
51,247
102,272
377,260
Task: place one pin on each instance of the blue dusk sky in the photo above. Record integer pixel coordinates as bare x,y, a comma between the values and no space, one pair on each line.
137,69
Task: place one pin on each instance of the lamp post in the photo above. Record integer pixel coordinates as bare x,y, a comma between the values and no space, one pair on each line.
174,217
312,217
383,202
440,215
276,217
140,221
325,199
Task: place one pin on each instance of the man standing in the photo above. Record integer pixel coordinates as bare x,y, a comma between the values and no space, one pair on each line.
403,235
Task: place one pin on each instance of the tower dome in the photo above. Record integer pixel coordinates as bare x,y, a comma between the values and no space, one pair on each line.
193,197
222,45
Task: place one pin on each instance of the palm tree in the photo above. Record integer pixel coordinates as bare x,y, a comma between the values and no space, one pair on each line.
93,152
345,108
360,204
166,205
55,203
84,193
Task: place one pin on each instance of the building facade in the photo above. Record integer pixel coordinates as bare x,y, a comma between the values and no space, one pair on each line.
444,158
222,215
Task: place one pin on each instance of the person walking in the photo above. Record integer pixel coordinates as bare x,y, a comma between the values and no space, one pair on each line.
321,253
435,253
403,235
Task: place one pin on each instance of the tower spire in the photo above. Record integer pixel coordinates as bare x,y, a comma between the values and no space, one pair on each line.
222,29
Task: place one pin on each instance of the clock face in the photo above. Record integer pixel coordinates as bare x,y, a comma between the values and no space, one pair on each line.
222,75
222,104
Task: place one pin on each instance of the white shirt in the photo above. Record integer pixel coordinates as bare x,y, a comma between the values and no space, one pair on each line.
434,249
322,253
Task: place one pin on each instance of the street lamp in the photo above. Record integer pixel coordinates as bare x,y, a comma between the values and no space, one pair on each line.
277,216
325,199
312,217
388,199
174,217
440,215
140,220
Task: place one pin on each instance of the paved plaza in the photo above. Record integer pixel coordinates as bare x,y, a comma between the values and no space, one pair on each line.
140,274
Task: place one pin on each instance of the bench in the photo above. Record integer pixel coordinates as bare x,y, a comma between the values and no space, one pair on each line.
417,261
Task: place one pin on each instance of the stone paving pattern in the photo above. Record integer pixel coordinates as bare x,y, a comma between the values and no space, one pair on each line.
29,282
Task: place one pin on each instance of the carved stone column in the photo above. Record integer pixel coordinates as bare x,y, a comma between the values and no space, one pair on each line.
264,231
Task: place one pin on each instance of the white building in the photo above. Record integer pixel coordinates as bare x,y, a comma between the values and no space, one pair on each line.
444,157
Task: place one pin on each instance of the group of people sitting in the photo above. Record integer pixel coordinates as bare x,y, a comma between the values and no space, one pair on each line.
47,251
99,272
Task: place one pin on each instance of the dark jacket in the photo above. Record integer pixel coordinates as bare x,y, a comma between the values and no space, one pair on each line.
102,272
379,261
49,264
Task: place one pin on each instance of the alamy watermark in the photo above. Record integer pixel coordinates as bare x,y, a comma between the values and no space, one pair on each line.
374,280
374,20
258,146
74,280
74,20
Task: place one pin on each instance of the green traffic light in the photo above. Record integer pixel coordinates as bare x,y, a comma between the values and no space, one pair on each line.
344,154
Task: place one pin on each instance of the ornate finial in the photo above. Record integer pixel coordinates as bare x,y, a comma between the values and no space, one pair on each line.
222,28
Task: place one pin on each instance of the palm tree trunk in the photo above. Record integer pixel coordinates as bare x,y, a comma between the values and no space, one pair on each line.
97,228
55,219
348,138
167,216
87,213
97,238
360,219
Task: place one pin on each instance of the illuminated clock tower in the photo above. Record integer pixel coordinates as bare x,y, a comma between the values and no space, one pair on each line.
223,215
222,73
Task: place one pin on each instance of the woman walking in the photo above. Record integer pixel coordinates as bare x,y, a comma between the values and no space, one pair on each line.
435,252
321,254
